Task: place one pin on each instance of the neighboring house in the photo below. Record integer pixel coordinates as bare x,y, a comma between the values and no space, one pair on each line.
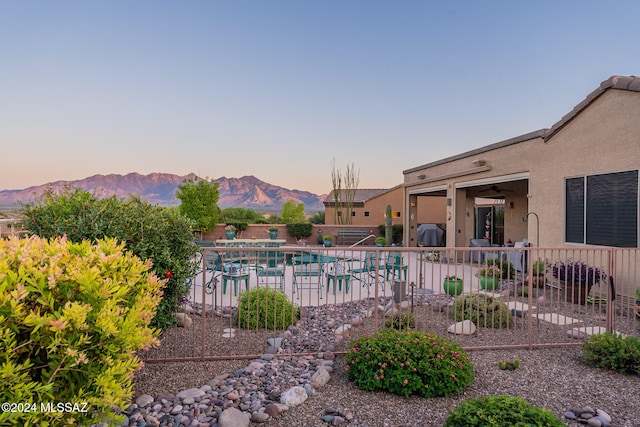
368,207
580,178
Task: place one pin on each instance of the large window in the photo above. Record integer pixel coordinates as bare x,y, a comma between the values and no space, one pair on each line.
602,209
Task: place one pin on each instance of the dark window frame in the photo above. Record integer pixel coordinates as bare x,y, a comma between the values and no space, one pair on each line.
602,209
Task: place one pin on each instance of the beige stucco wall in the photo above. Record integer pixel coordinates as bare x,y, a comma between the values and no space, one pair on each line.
376,208
603,138
432,210
510,162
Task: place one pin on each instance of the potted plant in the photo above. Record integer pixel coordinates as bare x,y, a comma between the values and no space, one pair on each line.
453,285
230,232
539,270
273,233
328,240
578,278
433,256
490,277
380,241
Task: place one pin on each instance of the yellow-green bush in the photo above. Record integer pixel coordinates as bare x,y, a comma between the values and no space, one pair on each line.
72,316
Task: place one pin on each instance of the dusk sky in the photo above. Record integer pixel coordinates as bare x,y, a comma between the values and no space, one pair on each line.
277,89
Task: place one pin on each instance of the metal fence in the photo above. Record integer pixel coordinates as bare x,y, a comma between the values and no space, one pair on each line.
342,292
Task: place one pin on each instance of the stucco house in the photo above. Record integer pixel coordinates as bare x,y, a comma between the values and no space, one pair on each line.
367,207
576,183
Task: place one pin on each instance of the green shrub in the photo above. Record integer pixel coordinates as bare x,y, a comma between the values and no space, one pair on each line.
266,308
505,266
498,411
483,310
401,321
300,230
73,315
613,351
150,232
238,226
522,290
396,232
409,363
540,268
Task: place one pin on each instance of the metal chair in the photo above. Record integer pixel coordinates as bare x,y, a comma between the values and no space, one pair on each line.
480,256
308,266
271,264
372,269
395,266
212,265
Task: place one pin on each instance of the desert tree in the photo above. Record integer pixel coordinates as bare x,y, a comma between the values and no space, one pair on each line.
199,202
293,213
345,186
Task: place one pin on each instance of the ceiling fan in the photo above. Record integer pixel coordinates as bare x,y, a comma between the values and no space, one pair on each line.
494,188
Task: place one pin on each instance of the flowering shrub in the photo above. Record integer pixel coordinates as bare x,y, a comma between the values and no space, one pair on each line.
500,411
230,228
409,363
482,310
73,315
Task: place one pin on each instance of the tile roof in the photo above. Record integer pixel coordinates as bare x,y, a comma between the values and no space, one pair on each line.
361,196
630,83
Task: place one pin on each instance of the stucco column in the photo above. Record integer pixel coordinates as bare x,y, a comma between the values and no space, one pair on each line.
410,232
457,228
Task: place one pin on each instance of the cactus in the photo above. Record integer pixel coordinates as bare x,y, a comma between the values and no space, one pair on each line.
388,225
509,365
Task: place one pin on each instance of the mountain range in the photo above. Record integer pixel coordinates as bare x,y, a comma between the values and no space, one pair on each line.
159,189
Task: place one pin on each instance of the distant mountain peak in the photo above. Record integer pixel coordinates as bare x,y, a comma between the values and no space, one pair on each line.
159,188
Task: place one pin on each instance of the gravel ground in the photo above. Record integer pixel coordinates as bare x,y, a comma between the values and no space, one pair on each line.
552,378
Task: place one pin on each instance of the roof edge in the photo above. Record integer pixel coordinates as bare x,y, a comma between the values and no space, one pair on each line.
515,140
630,83
378,192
